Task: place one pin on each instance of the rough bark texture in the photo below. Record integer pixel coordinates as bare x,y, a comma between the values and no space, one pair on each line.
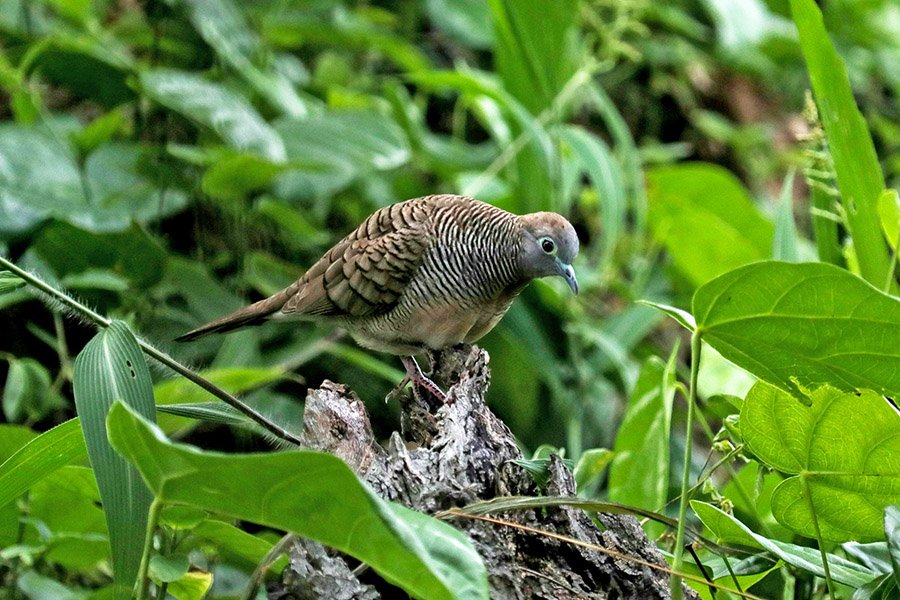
454,454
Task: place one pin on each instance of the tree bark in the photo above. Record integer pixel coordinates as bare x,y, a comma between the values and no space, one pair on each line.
450,455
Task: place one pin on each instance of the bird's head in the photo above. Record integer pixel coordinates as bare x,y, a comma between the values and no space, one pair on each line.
548,247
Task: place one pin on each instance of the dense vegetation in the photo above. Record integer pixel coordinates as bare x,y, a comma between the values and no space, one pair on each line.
166,161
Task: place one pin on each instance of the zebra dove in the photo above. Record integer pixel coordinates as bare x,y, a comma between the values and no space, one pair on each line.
421,275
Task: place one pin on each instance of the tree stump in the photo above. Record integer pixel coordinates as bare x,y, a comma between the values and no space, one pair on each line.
454,454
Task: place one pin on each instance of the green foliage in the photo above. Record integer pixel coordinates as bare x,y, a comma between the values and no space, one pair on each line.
312,494
639,475
169,161
842,451
803,326
112,368
706,220
855,161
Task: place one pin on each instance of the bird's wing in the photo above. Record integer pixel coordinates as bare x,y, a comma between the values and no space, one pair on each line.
365,273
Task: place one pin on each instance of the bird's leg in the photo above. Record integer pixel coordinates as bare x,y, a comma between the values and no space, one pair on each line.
399,389
419,380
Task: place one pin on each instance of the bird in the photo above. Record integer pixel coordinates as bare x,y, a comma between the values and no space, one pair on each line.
421,275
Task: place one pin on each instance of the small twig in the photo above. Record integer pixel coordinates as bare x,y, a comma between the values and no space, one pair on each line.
675,583
609,552
555,582
158,355
280,547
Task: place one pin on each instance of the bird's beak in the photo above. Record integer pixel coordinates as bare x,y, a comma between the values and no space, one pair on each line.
568,273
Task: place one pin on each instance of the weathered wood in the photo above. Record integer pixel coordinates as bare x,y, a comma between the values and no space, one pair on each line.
450,455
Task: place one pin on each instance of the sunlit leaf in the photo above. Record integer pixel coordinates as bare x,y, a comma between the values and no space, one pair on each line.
222,25
842,450
801,326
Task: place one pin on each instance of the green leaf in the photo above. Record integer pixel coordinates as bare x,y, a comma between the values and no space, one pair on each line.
182,392
535,48
221,24
706,220
39,587
605,173
883,588
66,504
843,451
467,21
682,317
639,475
193,586
208,412
349,143
169,568
889,213
42,180
26,393
100,131
892,533
801,326
856,164
728,529
312,494
9,282
236,176
38,458
590,465
132,253
111,367
785,244
215,107
236,544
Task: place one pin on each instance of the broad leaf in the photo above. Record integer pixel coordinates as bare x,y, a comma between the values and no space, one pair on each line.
728,529
41,180
215,107
312,494
842,450
347,144
223,27
706,220
111,367
801,326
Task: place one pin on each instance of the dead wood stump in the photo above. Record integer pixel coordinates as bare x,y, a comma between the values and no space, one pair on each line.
450,455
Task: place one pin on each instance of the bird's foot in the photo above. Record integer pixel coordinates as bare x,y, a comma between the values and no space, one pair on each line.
420,381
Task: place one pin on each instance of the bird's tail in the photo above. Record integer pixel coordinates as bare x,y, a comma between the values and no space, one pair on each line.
254,314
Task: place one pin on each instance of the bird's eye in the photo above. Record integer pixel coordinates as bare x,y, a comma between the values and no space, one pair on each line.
548,246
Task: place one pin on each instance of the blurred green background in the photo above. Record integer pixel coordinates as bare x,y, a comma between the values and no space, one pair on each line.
168,161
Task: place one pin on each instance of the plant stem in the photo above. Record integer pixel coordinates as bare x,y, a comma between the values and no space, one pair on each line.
142,580
675,580
156,354
804,484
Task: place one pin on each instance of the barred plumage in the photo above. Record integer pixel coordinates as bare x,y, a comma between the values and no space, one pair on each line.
422,274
